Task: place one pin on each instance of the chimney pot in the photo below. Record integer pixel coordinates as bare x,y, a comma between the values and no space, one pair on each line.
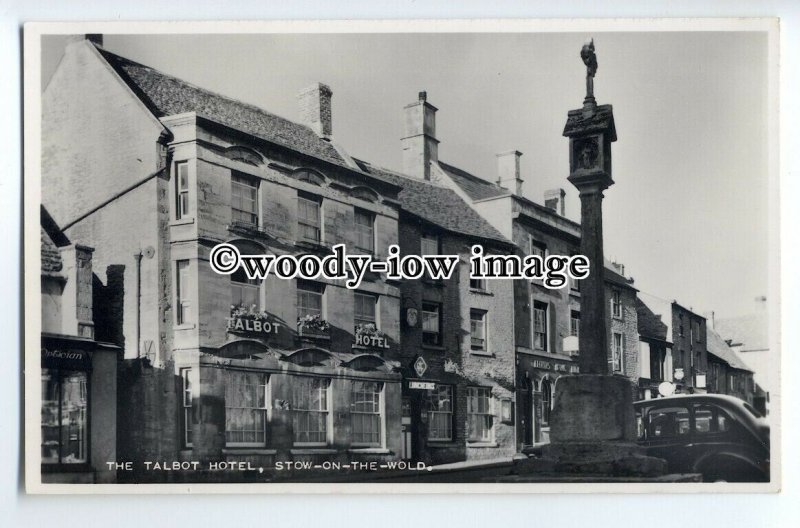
423,96
554,199
316,109
508,172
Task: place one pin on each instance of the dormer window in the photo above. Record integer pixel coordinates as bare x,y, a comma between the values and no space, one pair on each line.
305,175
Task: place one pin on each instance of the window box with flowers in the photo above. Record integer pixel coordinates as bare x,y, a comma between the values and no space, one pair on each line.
367,335
313,326
249,321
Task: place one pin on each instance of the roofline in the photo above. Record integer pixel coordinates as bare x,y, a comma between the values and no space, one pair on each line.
679,305
500,242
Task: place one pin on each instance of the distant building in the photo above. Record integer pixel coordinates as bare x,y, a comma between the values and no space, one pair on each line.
689,352
79,374
727,373
748,336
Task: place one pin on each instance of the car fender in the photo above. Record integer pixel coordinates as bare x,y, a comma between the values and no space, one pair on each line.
721,455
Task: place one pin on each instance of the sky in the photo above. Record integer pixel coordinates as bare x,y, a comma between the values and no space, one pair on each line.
688,214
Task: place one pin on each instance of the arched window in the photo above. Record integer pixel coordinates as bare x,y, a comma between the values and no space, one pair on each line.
244,154
365,193
311,357
547,401
309,176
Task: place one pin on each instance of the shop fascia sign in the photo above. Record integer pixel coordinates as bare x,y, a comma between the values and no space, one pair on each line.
557,367
372,341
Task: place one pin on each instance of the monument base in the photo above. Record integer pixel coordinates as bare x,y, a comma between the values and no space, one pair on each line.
593,431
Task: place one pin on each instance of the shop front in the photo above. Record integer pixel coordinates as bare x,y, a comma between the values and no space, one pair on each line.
79,400
537,376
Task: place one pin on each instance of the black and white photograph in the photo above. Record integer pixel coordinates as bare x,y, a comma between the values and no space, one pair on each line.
500,256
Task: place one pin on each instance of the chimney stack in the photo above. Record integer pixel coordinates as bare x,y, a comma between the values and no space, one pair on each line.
554,199
420,146
315,108
508,173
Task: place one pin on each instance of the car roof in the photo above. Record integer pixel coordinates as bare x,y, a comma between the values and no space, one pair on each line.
678,398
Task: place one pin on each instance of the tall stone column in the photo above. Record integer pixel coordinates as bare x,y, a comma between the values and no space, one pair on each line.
592,425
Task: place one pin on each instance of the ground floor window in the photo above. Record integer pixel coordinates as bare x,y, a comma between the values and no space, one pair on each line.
186,405
65,420
547,401
311,410
366,412
440,413
479,417
245,408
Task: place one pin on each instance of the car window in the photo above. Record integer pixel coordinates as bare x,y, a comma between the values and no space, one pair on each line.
640,428
668,422
710,419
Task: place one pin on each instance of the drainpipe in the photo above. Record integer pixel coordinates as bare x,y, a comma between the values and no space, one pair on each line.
138,312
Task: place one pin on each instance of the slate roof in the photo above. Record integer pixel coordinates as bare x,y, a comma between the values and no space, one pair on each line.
475,187
718,347
166,95
438,205
649,324
615,278
52,238
749,330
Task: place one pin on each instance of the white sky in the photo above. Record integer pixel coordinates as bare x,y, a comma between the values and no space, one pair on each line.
688,213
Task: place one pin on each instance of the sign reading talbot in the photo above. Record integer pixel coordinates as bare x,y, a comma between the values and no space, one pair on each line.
244,324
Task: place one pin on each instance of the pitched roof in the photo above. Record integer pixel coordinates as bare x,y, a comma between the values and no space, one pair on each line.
749,330
166,95
615,278
436,204
52,238
475,187
718,347
51,257
648,323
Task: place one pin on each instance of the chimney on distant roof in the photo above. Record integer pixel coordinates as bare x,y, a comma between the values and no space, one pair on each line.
315,108
619,267
709,319
554,199
508,173
420,146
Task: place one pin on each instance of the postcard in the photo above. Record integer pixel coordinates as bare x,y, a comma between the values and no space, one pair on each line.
396,257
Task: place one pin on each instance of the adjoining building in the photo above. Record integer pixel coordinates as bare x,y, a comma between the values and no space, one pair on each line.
79,374
655,348
690,355
546,321
458,331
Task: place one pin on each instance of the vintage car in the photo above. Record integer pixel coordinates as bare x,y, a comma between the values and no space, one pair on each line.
721,437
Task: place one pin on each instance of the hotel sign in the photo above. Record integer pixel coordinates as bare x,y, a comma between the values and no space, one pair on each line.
253,326
372,341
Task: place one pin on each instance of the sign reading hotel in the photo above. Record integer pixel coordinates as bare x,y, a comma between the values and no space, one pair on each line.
372,341
250,325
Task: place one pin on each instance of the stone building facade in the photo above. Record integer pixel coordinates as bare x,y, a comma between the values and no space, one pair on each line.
689,352
222,368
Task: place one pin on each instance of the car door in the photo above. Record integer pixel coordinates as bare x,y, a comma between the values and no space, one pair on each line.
667,435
